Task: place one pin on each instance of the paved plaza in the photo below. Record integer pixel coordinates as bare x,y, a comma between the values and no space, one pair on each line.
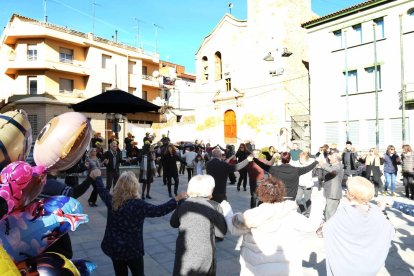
159,239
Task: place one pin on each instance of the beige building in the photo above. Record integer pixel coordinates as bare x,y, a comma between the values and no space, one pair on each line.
252,78
45,68
360,60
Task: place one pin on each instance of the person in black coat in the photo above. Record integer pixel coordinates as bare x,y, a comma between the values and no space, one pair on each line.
287,173
112,160
170,171
220,170
241,155
321,155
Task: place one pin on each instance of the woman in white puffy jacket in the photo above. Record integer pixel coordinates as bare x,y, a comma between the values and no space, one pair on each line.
270,231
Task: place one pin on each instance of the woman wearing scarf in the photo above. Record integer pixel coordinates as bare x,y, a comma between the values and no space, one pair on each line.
373,171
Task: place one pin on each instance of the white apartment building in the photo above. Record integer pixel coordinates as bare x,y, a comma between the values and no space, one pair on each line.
360,59
252,78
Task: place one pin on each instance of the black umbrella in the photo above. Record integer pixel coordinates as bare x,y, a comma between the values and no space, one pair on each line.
115,101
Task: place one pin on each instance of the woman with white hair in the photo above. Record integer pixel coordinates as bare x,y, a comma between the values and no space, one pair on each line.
358,237
198,220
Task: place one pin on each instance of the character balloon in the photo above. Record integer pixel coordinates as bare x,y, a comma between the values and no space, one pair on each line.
15,137
30,232
14,179
48,264
63,141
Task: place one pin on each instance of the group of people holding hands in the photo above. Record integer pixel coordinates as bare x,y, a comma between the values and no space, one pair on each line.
280,210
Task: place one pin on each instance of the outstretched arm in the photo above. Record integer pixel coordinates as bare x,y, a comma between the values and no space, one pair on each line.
308,168
103,193
241,165
235,222
261,164
151,210
80,189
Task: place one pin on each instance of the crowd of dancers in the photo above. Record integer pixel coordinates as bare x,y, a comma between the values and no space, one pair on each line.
281,206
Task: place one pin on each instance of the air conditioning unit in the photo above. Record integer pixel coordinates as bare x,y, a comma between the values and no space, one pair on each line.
286,53
276,72
79,94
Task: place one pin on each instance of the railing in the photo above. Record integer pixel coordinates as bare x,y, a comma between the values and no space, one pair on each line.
31,57
409,93
299,125
148,77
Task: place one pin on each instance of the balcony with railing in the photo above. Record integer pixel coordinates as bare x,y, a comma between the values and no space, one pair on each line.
34,62
409,96
150,81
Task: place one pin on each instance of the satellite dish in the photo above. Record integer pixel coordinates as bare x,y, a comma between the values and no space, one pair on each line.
155,74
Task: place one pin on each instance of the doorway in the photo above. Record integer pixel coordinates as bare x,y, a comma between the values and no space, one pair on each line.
230,127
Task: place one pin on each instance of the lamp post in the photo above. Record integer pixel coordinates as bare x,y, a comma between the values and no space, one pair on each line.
115,119
376,87
346,86
403,87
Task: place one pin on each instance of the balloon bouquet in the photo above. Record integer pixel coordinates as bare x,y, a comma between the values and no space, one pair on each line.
28,226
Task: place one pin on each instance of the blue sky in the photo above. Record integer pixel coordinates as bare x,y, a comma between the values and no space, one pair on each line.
183,24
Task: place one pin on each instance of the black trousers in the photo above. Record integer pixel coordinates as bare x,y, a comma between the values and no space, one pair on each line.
253,195
94,196
232,178
111,179
136,266
169,183
408,179
242,178
190,173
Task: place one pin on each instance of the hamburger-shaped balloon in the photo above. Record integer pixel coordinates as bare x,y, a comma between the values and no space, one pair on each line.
15,137
62,141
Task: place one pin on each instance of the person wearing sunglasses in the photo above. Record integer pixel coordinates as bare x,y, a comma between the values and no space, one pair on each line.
391,160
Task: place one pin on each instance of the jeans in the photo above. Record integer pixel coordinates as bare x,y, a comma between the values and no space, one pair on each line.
330,207
390,179
303,199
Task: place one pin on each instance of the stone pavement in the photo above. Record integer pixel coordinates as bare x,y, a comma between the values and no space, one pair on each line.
159,239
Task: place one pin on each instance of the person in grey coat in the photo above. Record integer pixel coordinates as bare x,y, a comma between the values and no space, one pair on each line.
199,220
332,189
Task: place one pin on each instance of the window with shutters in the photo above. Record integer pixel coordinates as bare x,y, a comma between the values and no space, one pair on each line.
371,133
66,55
351,81
332,132
32,52
106,61
379,28
353,132
65,85
396,132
